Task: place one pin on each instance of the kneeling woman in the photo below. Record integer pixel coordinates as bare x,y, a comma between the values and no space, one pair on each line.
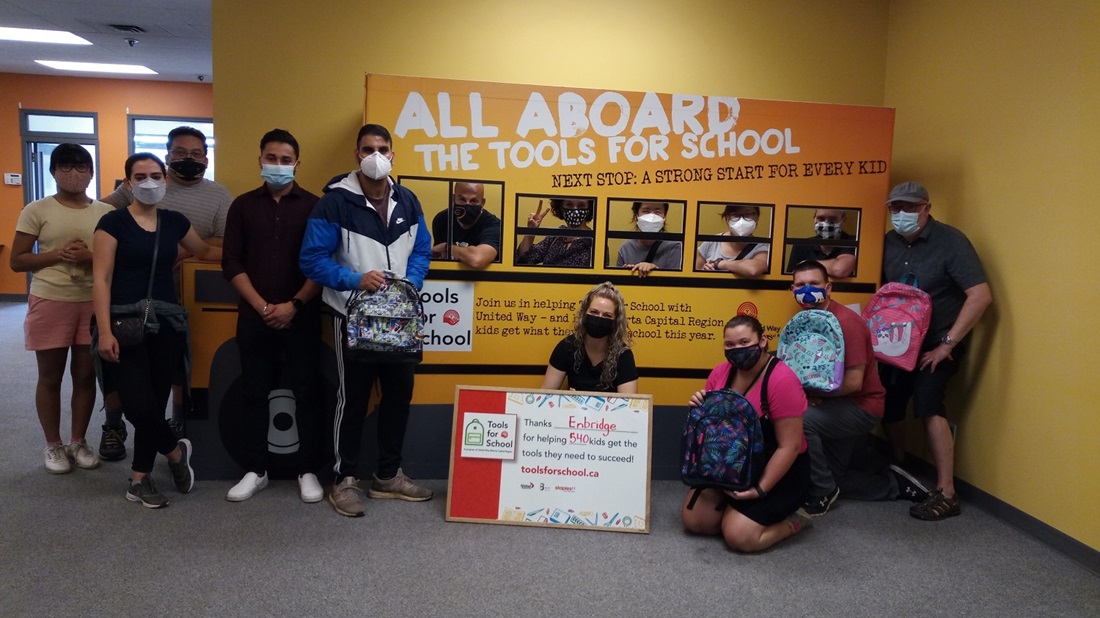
133,256
761,516
597,356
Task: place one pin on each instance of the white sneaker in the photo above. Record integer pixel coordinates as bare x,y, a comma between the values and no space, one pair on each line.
311,489
57,460
82,454
249,485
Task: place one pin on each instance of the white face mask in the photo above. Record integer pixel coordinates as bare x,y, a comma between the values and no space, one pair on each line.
149,191
376,166
651,222
741,226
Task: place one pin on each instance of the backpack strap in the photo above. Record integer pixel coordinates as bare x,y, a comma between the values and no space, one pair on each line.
745,251
909,279
764,406
652,251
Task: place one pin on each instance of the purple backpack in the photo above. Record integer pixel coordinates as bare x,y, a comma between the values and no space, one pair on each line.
725,446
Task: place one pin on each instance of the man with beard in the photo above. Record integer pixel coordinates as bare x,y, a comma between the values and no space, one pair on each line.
472,234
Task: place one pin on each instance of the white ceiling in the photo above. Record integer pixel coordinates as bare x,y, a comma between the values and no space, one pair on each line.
176,42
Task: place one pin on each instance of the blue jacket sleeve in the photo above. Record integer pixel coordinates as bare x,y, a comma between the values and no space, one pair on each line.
321,240
421,255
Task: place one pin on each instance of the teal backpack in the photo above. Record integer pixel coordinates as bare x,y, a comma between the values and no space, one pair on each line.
812,345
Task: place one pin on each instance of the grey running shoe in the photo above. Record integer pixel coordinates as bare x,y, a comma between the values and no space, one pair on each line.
400,487
112,444
82,455
347,498
799,521
182,474
146,493
57,460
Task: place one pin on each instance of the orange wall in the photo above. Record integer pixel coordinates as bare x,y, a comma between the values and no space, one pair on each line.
112,100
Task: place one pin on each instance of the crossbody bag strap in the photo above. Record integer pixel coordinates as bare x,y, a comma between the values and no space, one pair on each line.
652,251
152,271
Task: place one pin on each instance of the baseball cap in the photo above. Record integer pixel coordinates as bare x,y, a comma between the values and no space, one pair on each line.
908,192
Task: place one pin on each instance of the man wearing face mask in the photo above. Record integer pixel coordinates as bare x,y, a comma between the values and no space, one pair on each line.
947,267
839,261
205,203
835,423
474,234
366,223
278,321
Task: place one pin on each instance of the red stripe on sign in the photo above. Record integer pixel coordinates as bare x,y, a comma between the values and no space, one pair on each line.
475,483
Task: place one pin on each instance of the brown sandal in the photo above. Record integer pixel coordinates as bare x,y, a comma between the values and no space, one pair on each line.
936,507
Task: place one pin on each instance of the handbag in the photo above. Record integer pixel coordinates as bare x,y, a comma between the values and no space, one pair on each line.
130,329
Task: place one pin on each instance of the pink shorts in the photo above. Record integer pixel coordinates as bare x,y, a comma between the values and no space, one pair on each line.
53,324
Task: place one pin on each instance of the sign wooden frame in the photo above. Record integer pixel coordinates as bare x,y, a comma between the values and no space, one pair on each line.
567,459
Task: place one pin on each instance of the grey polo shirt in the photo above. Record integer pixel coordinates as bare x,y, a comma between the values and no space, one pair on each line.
945,265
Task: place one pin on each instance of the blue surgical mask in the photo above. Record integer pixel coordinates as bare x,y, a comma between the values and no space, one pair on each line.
905,223
810,296
277,176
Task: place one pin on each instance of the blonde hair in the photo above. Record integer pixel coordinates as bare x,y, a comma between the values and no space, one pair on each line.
618,341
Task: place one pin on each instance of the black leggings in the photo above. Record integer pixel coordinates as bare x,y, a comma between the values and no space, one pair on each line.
143,377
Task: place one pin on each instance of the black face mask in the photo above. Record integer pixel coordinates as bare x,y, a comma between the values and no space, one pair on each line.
188,169
744,358
596,326
467,214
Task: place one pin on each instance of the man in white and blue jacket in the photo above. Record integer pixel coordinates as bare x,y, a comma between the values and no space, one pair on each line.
364,224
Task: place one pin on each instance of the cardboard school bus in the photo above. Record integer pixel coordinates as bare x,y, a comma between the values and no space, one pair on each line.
530,146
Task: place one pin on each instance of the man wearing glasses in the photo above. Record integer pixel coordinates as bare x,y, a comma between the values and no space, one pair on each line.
947,267
205,203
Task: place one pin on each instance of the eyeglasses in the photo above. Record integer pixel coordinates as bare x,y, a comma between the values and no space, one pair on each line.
909,207
180,153
68,167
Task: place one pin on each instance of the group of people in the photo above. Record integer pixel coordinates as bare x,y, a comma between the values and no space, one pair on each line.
285,250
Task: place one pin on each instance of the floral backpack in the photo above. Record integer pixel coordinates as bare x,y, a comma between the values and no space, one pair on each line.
725,445
387,324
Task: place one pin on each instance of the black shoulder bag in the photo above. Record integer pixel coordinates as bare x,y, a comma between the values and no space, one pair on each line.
130,330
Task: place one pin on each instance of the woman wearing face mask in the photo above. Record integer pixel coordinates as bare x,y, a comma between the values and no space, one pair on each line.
748,259
559,250
642,255
597,356
59,307
763,515
134,251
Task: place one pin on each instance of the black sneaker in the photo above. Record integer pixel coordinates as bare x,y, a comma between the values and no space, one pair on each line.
112,444
816,507
146,493
909,488
182,474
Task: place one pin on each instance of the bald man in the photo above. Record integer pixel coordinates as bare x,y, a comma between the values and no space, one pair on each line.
470,234
840,262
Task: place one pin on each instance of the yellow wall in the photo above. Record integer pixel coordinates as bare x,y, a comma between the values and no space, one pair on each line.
112,100
997,114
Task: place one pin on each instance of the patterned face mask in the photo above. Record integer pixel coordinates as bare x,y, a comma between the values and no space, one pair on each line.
575,218
827,229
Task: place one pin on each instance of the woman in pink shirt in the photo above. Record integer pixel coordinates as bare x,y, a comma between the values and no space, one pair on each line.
763,515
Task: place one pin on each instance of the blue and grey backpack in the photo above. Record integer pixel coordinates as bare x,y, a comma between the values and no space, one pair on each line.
387,324
725,446
812,345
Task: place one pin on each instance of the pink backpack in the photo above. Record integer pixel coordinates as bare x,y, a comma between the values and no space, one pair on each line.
898,315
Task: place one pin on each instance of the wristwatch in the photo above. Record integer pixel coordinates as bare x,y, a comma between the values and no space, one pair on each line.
948,341
462,244
297,302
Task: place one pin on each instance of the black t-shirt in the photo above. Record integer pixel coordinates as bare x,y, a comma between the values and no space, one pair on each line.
134,255
588,377
801,253
486,230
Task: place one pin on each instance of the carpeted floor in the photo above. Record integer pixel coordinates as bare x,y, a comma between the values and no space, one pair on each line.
73,546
